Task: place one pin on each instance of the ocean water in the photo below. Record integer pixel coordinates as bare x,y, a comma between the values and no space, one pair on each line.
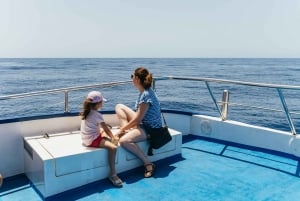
30,75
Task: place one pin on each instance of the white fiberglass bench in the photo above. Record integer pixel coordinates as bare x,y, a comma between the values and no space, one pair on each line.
59,162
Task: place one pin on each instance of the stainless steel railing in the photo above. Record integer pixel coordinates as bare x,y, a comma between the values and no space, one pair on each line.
223,109
63,90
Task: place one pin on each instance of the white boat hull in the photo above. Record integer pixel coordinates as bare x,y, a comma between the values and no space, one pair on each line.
13,133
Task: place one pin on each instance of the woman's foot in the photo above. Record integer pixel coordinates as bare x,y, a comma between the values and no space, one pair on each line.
149,170
115,180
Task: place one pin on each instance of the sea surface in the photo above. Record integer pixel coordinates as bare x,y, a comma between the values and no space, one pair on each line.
255,105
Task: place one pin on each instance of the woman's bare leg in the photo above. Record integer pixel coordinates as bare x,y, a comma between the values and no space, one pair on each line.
124,113
128,141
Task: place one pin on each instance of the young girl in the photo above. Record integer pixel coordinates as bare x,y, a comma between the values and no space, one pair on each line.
95,133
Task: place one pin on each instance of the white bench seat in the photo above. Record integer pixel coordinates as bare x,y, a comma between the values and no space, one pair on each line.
60,162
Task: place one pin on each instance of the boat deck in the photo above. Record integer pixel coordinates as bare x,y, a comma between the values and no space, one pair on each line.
207,170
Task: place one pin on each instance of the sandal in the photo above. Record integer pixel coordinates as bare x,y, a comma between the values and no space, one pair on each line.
116,181
149,173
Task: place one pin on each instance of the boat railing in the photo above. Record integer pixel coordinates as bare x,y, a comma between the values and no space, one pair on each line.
66,91
223,110
222,107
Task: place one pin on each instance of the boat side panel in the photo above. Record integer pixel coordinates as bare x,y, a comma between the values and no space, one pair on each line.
179,122
245,134
11,155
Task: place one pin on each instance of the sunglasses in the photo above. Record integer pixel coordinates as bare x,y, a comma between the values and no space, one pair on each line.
132,76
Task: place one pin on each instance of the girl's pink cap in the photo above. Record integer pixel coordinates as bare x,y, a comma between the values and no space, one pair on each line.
96,97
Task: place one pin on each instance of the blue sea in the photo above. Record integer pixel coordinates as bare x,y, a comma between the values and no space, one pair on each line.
30,75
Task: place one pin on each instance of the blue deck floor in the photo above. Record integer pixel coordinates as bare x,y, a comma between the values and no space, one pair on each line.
206,171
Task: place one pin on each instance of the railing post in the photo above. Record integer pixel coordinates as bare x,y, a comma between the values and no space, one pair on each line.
66,102
287,113
213,98
153,84
225,100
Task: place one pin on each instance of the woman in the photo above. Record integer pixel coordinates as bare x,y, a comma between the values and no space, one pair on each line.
146,114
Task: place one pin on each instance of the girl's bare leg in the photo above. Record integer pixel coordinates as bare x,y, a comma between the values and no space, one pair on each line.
112,150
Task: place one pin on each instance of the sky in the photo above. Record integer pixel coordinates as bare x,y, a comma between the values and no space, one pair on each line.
149,28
